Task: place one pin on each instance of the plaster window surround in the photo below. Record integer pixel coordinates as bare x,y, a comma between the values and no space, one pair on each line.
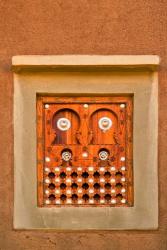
84,75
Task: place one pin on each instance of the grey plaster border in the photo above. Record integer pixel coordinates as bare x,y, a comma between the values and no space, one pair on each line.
144,214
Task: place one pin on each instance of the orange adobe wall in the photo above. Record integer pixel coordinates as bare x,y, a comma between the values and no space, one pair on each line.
47,27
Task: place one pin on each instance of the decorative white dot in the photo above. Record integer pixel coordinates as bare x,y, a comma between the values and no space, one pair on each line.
102,190
113,201
112,180
91,201
57,169
46,106
112,191
112,168
57,201
47,181
79,179
47,169
122,105
68,180
68,191
79,191
122,158
57,179
102,169
123,190
123,201
91,191
79,201
79,169
47,202
90,180
102,201
85,154
123,168
47,159
102,180
68,168
46,191
69,201
86,105
90,168
57,191
123,179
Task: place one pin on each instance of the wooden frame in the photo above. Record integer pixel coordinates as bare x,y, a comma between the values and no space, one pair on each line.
99,101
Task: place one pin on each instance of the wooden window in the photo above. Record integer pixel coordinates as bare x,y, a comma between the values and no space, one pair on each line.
84,151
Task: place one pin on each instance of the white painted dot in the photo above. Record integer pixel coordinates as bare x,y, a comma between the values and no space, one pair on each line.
123,201
112,168
122,105
102,169
79,201
79,169
46,191
46,106
57,169
47,159
47,169
86,105
90,180
102,190
68,191
90,168
57,201
69,201
68,180
123,190
47,181
85,154
57,191
57,179
91,191
47,202
102,201
68,168
91,201
113,201
102,180
122,158
79,179
79,191
112,191
112,180
123,168
123,179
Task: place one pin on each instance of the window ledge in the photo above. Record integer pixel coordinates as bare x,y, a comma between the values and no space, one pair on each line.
81,62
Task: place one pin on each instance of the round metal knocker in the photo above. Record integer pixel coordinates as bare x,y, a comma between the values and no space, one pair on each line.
66,155
103,155
63,124
105,123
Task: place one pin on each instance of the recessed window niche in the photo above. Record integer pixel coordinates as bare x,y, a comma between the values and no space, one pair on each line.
85,142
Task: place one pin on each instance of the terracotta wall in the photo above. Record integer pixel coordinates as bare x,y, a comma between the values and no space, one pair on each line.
79,27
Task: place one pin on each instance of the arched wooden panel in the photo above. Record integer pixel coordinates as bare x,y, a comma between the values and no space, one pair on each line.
101,136
65,136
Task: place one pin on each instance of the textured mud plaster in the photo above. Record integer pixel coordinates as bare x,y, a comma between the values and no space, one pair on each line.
143,84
